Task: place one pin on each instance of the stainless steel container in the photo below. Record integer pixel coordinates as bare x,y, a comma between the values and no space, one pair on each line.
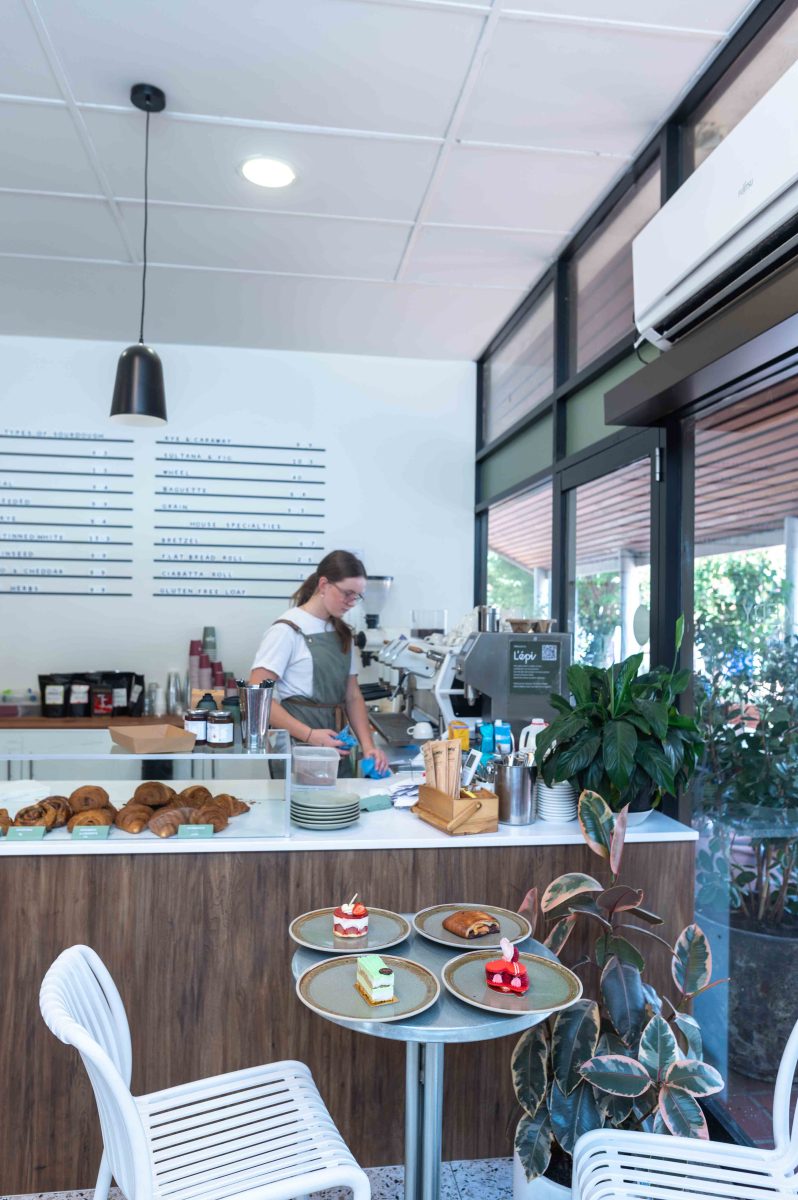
512,783
488,618
256,704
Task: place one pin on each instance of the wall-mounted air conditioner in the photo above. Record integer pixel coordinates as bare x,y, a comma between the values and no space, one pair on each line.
731,222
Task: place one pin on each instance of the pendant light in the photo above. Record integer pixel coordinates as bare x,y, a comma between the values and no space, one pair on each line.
139,392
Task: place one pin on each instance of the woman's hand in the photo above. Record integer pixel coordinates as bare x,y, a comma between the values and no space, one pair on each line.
328,738
379,756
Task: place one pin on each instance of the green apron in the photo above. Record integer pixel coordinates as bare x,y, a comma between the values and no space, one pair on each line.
327,708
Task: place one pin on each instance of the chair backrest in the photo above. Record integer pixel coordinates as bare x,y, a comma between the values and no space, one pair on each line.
785,1132
82,1007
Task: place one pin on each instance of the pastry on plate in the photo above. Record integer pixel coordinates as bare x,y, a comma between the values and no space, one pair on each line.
351,920
508,973
471,923
374,979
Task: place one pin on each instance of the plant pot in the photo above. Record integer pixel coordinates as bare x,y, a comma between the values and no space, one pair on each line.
539,1189
760,997
637,818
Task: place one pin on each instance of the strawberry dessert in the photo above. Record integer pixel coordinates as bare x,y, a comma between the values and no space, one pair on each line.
351,920
507,974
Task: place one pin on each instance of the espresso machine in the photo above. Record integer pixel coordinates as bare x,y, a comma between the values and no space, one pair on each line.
510,676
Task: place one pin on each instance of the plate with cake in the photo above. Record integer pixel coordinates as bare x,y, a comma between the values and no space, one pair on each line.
368,987
349,928
481,925
511,981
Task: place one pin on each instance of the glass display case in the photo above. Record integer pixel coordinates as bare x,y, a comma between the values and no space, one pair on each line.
40,763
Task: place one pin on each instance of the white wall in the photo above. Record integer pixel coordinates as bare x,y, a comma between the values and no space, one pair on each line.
399,439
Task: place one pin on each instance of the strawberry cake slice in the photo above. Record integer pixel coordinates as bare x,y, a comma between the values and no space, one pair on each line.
507,974
351,920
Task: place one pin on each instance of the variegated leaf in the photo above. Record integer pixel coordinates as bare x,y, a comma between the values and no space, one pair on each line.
692,965
658,1048
620,898
682,1114
576,1033
573,1115
615,1109
533,1143
530,1068
559,933
617,1074
691,1031
622,992
595,820
530,908
697,1078
607,945
618,838
566,887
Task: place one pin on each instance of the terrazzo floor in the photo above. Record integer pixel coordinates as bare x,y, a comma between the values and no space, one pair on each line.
478,1179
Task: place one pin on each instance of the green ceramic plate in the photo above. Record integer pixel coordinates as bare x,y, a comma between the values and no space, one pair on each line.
315,930
329,989
551,985
429,923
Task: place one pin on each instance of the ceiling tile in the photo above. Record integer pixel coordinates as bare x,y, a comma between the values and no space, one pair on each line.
321,62
24,70
479,257
199,163
57,225
683,14
578,87
519,189
269,242
39,149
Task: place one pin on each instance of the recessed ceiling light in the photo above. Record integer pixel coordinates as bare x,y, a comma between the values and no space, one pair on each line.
268,172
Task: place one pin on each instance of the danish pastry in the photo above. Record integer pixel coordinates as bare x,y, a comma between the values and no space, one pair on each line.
91,816
35,814
5,822
471,923
87,797
153,794
209,814
61,807
195,796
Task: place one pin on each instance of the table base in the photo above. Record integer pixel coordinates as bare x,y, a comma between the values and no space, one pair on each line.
423,1120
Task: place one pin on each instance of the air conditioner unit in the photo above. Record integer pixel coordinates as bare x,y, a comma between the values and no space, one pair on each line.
731,222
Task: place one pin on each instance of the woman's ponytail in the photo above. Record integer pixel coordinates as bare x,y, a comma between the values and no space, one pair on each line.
335,566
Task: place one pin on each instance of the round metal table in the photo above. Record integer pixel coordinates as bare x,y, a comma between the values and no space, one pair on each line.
448,1020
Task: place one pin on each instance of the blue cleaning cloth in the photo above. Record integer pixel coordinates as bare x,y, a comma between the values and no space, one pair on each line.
370,771
346,737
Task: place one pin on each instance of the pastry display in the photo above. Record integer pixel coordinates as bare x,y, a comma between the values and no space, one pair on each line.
133,818
35,814
5,822
351,920
471,923
374,979
508,973
92,816
153,794
88,796
61,807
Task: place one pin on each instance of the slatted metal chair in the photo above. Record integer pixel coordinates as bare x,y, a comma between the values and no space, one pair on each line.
616,1164
257,1134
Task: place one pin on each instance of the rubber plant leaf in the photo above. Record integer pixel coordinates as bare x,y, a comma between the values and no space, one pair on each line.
573,1115
691,1031
617,1074
533,1143
530,1068
622,993
682,1114
595,820
560,932
618,839
649,917
530,908
697,1078
566,887
658,1048
620,898
608,944
691,965
616,1109
575,1037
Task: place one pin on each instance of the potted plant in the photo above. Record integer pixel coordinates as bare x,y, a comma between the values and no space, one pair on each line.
622,736
629,1059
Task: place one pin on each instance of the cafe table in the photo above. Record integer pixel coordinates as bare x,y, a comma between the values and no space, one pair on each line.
426,1035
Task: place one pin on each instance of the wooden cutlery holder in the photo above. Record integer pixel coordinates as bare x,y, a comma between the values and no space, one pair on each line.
458,814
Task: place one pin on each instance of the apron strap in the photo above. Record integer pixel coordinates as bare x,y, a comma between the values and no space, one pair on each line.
290,625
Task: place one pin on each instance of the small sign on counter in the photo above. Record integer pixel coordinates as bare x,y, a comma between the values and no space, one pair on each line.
90,833
534,667
26,833
195,831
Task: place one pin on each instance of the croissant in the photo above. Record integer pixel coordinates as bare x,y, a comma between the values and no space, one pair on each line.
87,797
5,822
153,794
230,804
167,822
195,796
61,807
91,816
36,814
209,814
133,818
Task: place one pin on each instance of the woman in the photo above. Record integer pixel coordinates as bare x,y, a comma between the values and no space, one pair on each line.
309,652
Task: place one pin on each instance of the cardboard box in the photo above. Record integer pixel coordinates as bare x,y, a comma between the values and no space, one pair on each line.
152,739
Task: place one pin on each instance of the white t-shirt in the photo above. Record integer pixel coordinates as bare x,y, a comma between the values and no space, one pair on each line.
285,652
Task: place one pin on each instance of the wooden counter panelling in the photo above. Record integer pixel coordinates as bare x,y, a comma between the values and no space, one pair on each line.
200,953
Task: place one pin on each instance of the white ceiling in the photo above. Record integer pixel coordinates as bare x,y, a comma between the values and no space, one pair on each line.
444,151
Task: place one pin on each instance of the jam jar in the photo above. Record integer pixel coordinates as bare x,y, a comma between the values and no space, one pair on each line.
195,721
221,730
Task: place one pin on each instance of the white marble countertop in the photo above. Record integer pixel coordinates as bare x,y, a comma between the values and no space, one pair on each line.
265,828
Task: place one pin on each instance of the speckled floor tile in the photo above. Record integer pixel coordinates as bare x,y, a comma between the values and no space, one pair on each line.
484,1178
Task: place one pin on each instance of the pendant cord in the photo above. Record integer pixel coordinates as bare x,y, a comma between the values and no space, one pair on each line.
146,199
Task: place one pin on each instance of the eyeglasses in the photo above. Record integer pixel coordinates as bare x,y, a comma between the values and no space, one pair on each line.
351,598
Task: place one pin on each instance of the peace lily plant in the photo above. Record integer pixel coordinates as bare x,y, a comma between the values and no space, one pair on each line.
630,1059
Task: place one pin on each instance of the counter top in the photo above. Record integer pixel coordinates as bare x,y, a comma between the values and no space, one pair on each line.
83,722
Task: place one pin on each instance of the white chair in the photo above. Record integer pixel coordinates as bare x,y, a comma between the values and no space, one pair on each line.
257,1134
616,1163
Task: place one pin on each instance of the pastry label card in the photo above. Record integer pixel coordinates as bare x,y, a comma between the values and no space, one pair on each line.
195,831
90,833
26,833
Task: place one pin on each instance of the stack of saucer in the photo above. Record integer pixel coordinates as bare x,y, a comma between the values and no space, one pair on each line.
324,808
556,803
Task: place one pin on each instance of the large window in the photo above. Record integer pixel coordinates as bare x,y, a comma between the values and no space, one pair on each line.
754,73
603,272
519,554
520,375
746,805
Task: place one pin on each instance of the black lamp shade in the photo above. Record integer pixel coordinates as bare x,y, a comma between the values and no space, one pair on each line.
139,397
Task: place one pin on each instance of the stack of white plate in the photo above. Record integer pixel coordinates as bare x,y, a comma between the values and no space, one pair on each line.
556,803
324,808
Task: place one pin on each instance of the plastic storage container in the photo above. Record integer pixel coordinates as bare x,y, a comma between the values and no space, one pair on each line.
314,766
